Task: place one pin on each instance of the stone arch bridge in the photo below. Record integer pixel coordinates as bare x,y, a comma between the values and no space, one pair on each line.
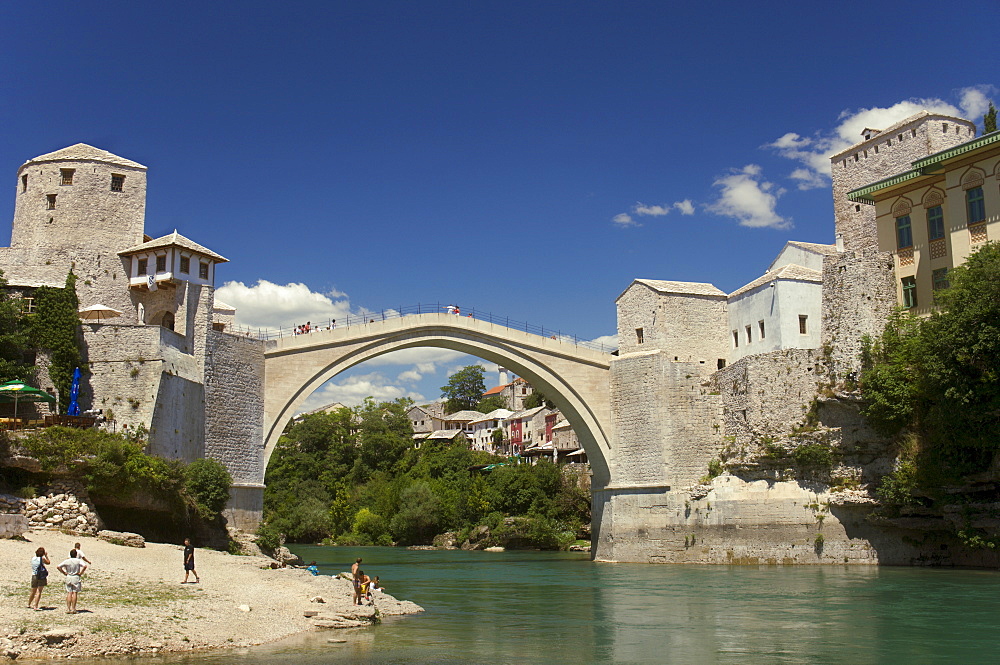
574,377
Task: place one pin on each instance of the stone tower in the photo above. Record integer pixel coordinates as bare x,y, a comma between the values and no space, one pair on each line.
859,289
77,207
882,153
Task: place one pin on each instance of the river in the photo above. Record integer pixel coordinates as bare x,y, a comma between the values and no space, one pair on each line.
561,608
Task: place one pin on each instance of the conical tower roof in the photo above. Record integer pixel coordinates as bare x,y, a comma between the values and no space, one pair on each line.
84,152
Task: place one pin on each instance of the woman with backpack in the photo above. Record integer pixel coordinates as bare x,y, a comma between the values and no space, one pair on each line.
39,577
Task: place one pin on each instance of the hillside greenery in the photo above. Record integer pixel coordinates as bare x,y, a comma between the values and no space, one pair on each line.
14,337
934,383
113,465
354,477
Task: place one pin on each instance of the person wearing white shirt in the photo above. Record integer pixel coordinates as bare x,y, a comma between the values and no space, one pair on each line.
73,568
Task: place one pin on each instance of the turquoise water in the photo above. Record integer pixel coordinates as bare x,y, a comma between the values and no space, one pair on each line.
561,608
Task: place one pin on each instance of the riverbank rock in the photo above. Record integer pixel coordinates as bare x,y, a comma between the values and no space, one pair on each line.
477,539
283,555
122,538
446,540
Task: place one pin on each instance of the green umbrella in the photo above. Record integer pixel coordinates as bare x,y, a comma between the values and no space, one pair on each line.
20,391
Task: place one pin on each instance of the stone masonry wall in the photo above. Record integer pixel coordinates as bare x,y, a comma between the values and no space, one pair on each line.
63,504
234,417
859,293
636,402
768,393
664,420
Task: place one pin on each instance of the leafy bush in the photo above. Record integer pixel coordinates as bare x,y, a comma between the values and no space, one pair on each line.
897,487
817,455
208,482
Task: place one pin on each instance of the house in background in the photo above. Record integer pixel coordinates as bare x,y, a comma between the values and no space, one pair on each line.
931,216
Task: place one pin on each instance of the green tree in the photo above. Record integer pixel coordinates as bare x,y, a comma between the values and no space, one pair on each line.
990,119
465,389
939,377
56,330
14,339
207,482
536,399
491,403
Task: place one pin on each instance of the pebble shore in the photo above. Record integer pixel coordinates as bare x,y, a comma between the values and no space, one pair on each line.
133,601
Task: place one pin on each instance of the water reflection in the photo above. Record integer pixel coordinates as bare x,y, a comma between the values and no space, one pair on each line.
529,607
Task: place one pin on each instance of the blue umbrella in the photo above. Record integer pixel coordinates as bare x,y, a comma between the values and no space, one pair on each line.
74,394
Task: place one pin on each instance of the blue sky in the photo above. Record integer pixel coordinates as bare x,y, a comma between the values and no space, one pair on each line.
524,158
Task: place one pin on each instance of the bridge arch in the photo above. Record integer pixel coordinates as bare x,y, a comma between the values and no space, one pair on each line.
575,378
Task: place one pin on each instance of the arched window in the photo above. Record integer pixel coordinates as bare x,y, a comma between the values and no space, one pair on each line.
904,232
168,320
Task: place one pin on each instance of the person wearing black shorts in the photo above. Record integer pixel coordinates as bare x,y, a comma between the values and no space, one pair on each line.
189,562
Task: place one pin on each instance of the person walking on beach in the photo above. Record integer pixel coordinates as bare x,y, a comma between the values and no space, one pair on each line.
73,569
80,555
189,562
39,577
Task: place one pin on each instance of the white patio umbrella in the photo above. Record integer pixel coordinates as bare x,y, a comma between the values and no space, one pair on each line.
98,312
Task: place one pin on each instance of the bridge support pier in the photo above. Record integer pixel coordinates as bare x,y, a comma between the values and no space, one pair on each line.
246,506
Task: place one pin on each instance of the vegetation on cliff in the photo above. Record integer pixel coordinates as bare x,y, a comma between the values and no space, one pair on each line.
934,383
14,337
113,465
55,329
354,477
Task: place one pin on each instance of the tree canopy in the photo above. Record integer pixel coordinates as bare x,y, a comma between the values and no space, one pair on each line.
465,389
14,337
939,377
355,477
56,330
990,119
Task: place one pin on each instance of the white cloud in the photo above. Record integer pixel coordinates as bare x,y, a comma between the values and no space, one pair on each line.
269,305
624,220
685,207
975,101
409,376
609,341
652,211
353,390
813,153
750,199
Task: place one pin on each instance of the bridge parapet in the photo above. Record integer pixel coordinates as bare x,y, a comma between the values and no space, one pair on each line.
367,318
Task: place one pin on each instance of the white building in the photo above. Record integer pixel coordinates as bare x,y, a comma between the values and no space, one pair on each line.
782,309
481,434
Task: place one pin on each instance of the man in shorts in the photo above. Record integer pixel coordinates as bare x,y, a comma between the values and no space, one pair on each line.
189,562
73,568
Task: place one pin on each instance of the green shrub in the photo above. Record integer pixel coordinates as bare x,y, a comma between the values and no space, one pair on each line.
817,455
208,482
897,487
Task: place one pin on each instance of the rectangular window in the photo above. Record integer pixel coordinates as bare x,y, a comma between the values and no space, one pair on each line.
974,205
161,264
638,335
904,232
940,279
185,264
761,324
66,176
117,182
203,270
143,266
909,292
28,305
24,183
51,199
802,324
748,335
935,223
736,338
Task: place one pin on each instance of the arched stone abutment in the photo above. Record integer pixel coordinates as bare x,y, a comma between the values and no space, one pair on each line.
576,379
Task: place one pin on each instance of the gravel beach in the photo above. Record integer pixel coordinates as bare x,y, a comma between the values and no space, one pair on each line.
133,601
